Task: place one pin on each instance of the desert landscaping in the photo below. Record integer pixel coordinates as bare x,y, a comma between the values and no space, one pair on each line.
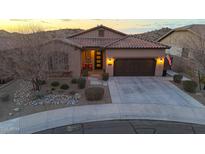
54,93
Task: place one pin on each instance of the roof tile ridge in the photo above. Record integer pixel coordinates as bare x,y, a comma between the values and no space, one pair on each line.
116,41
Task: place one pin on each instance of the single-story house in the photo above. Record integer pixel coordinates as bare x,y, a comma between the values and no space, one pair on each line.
104,49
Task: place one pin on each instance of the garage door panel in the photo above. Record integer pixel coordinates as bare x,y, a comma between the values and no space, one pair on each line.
134,67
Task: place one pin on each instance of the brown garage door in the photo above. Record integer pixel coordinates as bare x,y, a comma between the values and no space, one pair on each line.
134,67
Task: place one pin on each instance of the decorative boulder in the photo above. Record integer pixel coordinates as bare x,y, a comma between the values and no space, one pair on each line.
17,109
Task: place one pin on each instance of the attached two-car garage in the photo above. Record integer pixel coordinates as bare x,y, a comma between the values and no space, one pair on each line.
134,67
135,62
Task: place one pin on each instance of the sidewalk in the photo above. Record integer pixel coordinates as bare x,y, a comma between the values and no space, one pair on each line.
90,113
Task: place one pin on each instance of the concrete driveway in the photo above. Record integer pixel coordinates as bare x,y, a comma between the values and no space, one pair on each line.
148,90
132,98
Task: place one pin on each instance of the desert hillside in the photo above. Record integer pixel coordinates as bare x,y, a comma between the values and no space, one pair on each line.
14,40
154,35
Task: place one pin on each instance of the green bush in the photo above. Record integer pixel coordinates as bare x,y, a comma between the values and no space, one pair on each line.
53,89
190,86
94,93
55,84
81,83
74,81
42,82
105,76
5,97
64,86
85,72
177,78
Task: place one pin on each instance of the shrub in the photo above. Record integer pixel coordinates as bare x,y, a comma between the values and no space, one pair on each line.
64,86
39,95
85,72
73,92
42,82
5,97
177,78
74,81
94,93
55,84
81,83
190,86
202,80
105,76
53,89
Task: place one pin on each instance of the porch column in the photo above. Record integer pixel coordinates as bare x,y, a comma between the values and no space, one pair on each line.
110,66
159,66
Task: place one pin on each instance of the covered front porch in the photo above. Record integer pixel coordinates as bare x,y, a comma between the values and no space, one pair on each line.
93,60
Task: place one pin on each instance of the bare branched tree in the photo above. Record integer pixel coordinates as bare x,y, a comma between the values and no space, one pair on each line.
196,48
27,62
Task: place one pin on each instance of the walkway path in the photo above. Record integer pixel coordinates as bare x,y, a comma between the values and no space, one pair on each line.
89,113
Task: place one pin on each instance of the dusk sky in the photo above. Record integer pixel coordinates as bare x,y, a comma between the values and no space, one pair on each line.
127,26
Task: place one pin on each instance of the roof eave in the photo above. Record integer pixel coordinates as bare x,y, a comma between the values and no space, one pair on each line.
165,35
97,27
136,48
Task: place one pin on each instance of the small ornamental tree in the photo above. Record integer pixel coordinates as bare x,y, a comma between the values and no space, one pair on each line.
27,62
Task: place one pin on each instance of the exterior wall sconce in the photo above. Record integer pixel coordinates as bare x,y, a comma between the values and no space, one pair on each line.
160,60
110,61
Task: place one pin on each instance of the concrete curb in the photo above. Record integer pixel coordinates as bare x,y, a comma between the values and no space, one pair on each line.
91,113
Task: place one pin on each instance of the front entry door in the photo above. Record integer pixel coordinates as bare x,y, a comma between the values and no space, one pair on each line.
98,59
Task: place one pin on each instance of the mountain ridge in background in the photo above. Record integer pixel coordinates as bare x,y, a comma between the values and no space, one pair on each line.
153,35
13,40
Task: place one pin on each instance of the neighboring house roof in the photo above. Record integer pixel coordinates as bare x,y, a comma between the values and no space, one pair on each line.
98,27
153,35
197,29
131,42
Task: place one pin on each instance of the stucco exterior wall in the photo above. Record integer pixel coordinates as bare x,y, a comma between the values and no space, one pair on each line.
184,45
94,34
179,40
74,55
135,53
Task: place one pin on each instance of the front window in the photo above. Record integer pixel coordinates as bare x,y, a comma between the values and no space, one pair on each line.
58,62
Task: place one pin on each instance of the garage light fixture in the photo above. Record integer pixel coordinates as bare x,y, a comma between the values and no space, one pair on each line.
110,61
160,60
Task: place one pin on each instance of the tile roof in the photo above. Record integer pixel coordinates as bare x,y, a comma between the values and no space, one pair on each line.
98,27
93,42
132,42
128,42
